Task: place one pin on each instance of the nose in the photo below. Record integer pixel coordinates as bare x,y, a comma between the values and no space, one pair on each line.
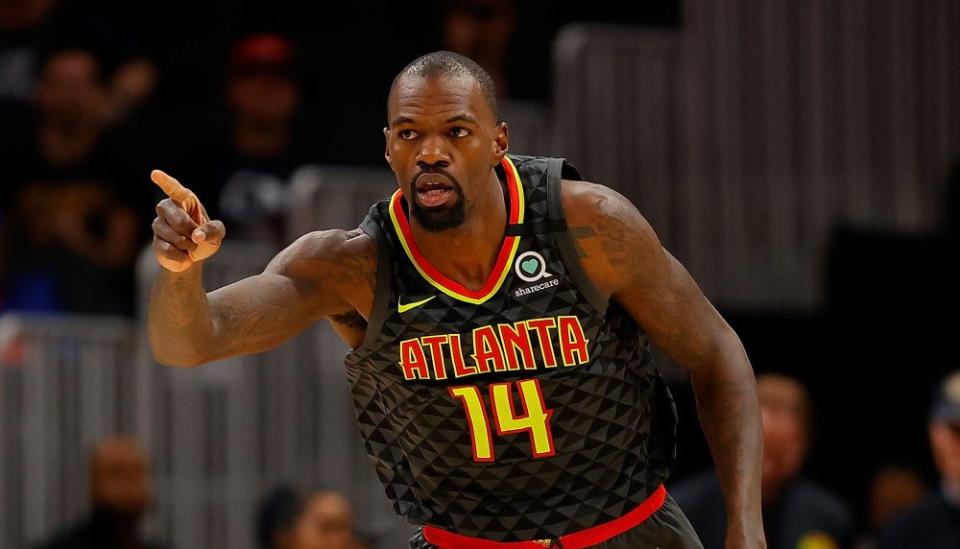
433,152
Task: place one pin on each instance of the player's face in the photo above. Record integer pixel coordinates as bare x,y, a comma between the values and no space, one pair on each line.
442,142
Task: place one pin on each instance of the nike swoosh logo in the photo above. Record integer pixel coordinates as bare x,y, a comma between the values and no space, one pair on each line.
401,307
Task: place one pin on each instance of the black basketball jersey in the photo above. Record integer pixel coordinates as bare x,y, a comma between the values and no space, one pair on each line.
528,409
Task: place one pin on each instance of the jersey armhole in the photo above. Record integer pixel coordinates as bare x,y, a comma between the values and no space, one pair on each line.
556,168
381,294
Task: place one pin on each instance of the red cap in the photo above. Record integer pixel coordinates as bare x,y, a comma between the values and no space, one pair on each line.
262,51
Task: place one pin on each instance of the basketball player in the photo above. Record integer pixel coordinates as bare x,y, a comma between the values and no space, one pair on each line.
499,310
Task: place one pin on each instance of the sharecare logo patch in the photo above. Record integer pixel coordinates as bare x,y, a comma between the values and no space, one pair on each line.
527,290
531,267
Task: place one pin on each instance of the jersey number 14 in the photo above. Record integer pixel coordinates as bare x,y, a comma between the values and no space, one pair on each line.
535,419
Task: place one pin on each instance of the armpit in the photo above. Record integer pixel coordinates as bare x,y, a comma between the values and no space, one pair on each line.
350,319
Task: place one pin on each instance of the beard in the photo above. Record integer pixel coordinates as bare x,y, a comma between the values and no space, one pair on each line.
443,217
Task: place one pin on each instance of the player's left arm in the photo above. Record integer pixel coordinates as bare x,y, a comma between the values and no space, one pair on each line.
624,259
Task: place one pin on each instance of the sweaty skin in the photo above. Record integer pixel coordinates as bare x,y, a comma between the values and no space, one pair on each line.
443,125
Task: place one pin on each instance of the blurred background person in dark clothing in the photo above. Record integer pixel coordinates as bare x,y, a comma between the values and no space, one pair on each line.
487,32
795,510
483,30
20,31
893,490
276,516
245,162
30,27
120,493
935,522
322,519
72,230
325,522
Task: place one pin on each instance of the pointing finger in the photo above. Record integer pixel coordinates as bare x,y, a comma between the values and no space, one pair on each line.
169,185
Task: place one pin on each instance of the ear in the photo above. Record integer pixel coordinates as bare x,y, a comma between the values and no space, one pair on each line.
501,142
386,148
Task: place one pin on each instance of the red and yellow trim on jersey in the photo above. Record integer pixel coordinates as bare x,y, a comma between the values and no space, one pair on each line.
508,249
581,539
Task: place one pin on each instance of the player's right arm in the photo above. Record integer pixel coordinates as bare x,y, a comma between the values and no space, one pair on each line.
322,274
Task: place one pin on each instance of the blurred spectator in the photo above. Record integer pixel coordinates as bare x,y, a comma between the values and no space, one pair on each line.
276,516
241,169
486,31
483,31
325,522
935,522
120,492
321,520
893,490
71,230
510,39
796,512
30,27
21,30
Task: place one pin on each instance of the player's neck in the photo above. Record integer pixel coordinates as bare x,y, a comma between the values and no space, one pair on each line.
467,253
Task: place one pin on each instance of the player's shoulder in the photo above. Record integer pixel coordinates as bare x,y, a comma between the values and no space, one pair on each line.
335,245
613,240
330,254
589,203
607,213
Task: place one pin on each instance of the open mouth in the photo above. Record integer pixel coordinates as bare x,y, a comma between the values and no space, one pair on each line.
434,189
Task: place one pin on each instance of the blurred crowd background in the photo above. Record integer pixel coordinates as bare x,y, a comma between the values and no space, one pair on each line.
797,156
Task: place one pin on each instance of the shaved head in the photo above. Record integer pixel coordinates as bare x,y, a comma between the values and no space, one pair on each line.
449,64
443,140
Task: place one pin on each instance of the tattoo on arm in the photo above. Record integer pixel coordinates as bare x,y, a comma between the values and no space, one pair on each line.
363,269
256,314
583,231
306,282
616,242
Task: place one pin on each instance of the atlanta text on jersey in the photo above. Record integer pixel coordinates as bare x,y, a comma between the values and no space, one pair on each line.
560,341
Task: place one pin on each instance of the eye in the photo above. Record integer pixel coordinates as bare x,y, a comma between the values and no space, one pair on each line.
458,131
407,134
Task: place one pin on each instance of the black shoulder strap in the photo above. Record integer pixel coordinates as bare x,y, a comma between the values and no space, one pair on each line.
557,170
541,226
381,296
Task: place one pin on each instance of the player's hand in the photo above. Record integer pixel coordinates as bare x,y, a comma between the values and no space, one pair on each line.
183,234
